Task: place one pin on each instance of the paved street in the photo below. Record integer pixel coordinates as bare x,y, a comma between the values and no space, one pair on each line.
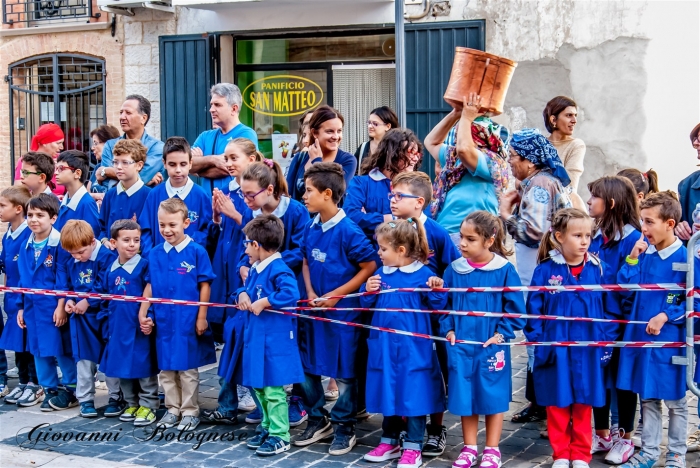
521,445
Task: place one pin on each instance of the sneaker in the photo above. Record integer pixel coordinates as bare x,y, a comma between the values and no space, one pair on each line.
639,460
129,414
32,395
144,417
410,459
362,414
115,408
579,464
383,452
188,423
13,373
561,463
601,444
315,431
491,458
621,451
87,409
616,433
675,460
45,406
467,458
4,390
437,439
331,395
297,413
15,394
693,440
168,420
254,417
273,445
343,441
245,399
217,417
64,400
257,440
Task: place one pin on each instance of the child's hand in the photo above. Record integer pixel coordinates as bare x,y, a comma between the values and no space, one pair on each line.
243,301
257,306
146,325
654,326
226,207
490,341
81,307
374,283
318,302
20,319
451,336
108,245
70,304
639,248
201,326
244,273
59,317
435,282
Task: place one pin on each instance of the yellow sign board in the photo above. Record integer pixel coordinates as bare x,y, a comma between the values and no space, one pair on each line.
282,95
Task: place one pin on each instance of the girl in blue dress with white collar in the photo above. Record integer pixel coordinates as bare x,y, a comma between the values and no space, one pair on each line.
403,373
480,376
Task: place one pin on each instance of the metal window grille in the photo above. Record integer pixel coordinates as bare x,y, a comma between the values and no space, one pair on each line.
357,89
65,89
35,12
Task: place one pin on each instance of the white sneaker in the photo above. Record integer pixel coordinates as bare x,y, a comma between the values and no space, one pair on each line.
579,464
561,463
693,441
13,373
615,433
245,399
15,394
620,453
4,390
601,444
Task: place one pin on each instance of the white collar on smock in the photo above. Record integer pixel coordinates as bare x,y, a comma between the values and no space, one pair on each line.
260,266
462,266
331,222
128,266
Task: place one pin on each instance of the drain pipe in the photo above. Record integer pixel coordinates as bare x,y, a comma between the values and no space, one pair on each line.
689,299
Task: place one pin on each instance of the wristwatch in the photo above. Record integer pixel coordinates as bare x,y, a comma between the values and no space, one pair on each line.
102,172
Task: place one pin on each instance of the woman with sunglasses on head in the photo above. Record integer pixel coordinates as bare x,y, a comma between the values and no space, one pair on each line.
381,120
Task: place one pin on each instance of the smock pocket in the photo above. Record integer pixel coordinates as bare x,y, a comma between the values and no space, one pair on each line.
375,356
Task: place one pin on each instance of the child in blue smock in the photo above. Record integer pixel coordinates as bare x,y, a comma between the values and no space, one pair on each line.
13,209
270,354
480,376
613,205
650,372
42,264
86,273
569,381
179,269
367,201
338,259
129,354
403,374
177,157
72,170
126,199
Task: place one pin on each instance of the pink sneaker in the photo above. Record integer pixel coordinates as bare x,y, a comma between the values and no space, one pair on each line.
620,453
601,444
466,459
490,459
384,452
410,459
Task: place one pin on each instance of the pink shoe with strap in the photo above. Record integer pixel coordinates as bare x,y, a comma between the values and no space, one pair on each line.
466,459
410,459
491,458
383,452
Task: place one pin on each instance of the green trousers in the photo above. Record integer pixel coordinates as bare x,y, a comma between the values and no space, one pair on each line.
275,411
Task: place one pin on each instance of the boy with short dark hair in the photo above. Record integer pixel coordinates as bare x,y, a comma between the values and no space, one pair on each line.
650,372
126,199
13,208
37,172
42,264
269,336
338,259
179,269
86,274
72,170
177,157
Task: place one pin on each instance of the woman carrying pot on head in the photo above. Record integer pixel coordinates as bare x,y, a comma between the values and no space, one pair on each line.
381,120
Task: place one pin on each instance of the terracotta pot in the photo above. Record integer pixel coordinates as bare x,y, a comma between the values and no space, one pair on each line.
474,71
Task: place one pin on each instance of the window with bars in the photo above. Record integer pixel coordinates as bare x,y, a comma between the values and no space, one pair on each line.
36,13
66,89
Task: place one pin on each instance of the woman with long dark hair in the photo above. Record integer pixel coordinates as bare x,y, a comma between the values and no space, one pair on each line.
381,120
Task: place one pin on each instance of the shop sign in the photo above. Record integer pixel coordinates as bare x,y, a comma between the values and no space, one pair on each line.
282,95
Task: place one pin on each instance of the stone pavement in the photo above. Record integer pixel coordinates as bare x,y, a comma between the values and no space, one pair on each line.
121,446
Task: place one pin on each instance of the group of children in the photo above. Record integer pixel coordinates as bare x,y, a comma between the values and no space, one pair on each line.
255,249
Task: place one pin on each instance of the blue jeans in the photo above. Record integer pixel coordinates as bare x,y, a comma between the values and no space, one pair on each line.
415,427
228,398
345,407
47,375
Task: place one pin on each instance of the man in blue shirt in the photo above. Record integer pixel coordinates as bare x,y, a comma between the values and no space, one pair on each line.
208,149
133,117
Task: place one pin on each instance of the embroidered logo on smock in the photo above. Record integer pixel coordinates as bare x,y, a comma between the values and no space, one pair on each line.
121,283
497,362
85,277
555,281
318,255
49,261
193,216
187,266
258,292
15,258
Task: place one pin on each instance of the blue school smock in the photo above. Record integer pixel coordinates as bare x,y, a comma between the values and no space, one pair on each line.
296,170
270,350
198,205
442,251
480,378
48,272
403,373
121,204
86,329
577,373
367,201
13,337
128,353
650,372
333,251
80,206
175,273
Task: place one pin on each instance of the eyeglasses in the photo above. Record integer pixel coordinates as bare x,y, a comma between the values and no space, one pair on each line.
246,242
122,163
399,196
374,124
60,169
26,173
252,197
